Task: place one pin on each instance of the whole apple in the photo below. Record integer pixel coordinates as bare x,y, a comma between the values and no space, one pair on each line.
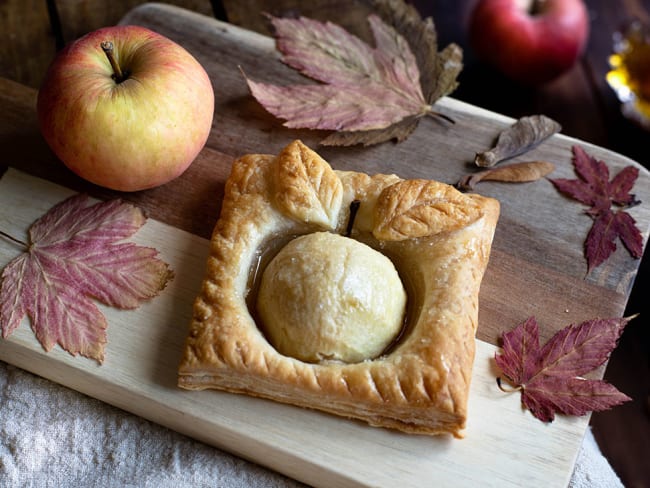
529,41
126,108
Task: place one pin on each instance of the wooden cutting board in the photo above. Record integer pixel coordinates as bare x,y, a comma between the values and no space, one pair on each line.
537,268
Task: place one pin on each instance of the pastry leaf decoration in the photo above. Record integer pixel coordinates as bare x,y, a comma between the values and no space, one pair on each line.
594,188
367,94
74,255
550,376
418,208
522,136
306,187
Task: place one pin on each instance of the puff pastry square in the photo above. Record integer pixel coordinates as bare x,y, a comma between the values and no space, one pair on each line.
439,240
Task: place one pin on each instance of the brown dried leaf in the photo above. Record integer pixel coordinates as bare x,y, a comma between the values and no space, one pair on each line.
367,95
449,64
398,132
306,187
513,173
418,208
438,70
524,135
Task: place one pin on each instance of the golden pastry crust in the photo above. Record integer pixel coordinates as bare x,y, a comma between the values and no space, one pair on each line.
438,238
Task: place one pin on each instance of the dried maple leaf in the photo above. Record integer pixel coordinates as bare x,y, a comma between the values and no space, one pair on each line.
73,255
368,94
550,376
594,188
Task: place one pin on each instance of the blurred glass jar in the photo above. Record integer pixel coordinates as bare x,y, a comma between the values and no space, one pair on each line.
630,71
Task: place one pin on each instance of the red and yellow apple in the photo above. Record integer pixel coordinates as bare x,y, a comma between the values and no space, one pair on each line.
126,108
529,41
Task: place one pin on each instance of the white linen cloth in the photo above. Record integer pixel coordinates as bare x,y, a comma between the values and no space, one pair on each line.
51,436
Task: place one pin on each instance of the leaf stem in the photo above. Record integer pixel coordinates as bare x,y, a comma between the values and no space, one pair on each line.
13,239
633,203
433,113
507,390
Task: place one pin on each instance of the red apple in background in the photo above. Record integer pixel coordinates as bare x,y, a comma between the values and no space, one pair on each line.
529,41
126,108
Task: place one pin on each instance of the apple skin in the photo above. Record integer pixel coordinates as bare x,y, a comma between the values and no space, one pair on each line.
133,135
530,48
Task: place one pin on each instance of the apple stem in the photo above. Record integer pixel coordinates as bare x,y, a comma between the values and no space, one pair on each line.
118,75
535,7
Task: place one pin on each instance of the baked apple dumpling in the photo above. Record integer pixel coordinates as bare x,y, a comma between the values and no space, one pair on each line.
371,361
326,296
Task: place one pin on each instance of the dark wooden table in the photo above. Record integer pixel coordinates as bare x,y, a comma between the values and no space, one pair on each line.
588,109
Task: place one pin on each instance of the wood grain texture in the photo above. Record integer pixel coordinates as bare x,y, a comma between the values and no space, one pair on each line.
548,242
502,443
26,41
250,14
30,33
537,267
78,17
581,98
553,237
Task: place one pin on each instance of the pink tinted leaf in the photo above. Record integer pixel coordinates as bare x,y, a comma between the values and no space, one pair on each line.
549,377
600,242
397,64
326,52
626,229
74,256
74,218
594,172
366,89
547,395
328,107
578,349
60,316
323,51
621,185
12,289
595,189
576,189
520,355
120,275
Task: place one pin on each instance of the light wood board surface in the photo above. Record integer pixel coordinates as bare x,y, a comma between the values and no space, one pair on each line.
502,444
537,268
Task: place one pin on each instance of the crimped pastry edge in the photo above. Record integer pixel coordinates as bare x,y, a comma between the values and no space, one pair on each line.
421,386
